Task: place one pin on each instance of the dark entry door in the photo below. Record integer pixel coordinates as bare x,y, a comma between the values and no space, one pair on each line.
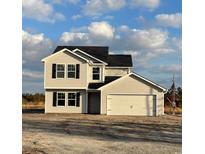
94,102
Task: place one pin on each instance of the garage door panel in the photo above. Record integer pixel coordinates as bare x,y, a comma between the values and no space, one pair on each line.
130,105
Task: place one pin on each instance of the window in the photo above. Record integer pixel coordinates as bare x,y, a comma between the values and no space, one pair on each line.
71,71
96,73
72,99
60,70
61,99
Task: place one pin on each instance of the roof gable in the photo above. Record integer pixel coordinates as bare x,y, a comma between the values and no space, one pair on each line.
138,76
148,81
64,50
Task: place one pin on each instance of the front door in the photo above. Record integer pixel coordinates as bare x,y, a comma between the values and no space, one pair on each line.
94,102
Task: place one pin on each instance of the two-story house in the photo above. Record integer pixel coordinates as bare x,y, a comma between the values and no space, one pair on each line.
87,79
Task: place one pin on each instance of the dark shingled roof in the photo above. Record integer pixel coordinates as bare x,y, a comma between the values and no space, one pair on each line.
120,60
108,79
101,52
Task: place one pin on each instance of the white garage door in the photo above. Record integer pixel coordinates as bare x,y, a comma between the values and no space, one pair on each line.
125,104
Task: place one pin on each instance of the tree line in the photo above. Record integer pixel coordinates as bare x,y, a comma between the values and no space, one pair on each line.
37,97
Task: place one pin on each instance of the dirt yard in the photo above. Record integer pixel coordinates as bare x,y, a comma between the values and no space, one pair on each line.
90,134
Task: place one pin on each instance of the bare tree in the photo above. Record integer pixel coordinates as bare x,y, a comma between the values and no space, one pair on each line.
173,93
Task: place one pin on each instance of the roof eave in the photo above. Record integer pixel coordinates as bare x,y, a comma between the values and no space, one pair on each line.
149,81
62,50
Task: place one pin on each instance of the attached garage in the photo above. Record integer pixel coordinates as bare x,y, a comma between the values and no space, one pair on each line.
131,104
132,95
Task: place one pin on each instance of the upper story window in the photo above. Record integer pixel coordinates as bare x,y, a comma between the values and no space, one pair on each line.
96,73
71,71
61,99
59,71
60,68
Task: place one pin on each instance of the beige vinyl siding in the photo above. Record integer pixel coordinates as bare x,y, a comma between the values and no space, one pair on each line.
116,71
132,85
49,108
65,58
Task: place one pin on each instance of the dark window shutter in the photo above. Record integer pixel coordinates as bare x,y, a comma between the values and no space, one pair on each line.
78,99
54,98
77,71
53,70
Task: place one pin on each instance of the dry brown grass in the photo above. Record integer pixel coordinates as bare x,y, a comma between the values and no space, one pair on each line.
33,105
168,110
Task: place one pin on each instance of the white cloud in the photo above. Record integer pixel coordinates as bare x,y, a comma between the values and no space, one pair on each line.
152,38
172,68
97,7
73,1
123,28
32,74
177,42
63,2
35,46
109,17
101,29
72,36
41,11
149,4
96,33
164,50
134,53
141,38
141,19
169,20
158,51
79,29
75,17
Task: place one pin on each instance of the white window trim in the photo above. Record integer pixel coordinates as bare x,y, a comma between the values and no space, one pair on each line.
60,99
96,73
60,71
72,99
71,71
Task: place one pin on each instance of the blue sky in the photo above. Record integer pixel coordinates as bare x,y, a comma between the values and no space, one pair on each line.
150,30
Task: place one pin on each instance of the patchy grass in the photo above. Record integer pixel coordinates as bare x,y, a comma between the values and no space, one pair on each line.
79,133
